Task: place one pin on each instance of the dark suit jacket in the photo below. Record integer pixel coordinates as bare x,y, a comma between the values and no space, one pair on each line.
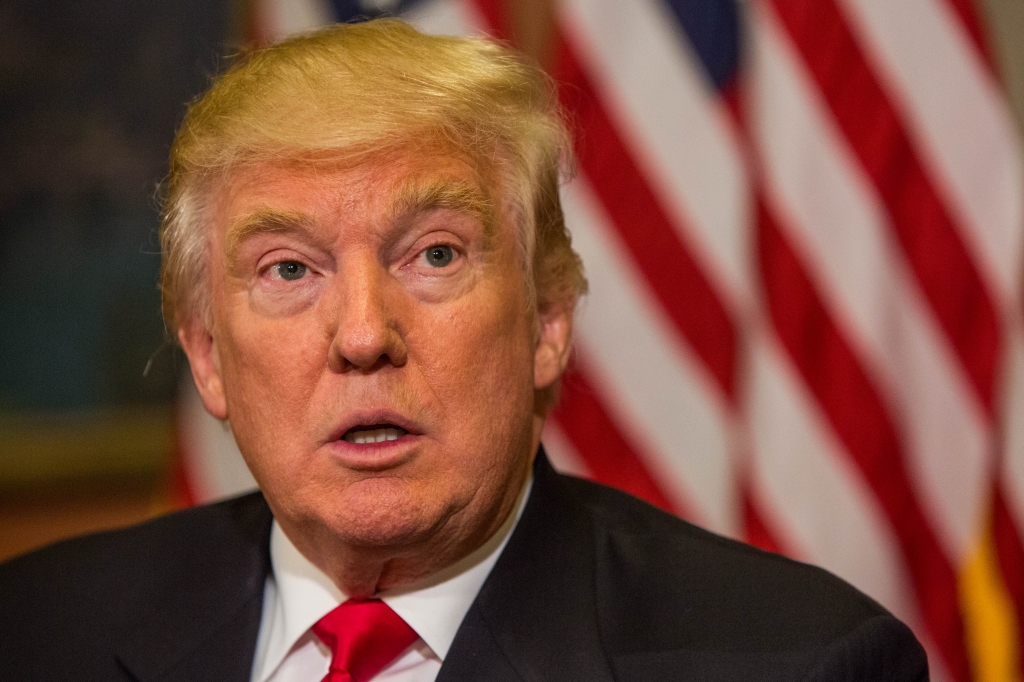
593,585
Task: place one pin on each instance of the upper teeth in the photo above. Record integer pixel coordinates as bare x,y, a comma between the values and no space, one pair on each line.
374,435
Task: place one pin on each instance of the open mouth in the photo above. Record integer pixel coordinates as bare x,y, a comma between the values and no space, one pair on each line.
375,433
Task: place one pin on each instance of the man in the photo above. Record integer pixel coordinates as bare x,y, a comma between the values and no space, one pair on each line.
366,264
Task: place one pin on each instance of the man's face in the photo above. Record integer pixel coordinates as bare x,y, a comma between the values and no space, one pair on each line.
373,348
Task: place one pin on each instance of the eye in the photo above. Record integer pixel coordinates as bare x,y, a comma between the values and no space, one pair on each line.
290,270
439,256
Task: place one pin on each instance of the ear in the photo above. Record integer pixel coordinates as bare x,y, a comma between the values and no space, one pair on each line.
204,361
552,354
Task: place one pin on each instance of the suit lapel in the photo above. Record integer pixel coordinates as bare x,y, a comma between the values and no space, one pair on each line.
202,620
535,617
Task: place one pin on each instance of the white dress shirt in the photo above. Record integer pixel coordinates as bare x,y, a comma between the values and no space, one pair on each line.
297,594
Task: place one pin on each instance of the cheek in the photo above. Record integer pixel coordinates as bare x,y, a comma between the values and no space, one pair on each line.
479,360
271,368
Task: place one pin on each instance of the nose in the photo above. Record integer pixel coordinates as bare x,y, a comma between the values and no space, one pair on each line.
366,332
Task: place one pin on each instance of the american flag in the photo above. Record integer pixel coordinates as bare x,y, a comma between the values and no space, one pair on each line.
803,226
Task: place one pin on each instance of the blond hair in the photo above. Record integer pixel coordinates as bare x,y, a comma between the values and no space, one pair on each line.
351,90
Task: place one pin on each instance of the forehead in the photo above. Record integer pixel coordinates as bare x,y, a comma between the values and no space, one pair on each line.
369,181
370,191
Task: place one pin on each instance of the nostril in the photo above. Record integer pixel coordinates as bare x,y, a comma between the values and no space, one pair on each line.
368,351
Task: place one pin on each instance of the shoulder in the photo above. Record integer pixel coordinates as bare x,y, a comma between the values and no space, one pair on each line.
84,589
179,539
667,585
646,547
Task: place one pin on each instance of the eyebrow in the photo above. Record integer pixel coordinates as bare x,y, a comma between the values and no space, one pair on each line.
453,195
411,199
260,222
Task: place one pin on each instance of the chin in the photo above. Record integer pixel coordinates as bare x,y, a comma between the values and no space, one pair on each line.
383,515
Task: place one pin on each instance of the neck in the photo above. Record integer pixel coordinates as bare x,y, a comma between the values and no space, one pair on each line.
361,572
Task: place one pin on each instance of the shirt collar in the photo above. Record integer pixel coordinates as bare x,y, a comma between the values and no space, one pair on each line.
433,607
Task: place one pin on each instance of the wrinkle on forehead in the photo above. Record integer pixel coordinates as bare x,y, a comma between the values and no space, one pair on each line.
420,189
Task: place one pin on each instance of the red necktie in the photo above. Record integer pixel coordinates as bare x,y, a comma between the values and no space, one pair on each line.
364,636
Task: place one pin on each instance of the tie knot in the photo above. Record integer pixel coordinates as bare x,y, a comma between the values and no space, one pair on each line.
364,636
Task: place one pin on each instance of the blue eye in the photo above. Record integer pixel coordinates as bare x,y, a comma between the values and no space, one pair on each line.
290,270
439,256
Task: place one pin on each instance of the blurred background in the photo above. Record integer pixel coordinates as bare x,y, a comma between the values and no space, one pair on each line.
90,96
803,224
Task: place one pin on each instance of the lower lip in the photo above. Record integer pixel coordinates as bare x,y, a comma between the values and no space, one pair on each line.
374,456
